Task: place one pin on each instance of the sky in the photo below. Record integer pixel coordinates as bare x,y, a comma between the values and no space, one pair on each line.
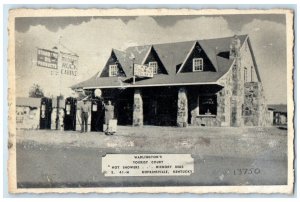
92,39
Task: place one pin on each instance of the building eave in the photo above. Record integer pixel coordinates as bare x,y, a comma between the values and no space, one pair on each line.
154,85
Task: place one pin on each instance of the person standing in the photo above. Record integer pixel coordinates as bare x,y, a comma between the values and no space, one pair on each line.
85,109
109,112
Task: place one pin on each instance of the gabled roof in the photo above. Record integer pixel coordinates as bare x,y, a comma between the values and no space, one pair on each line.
172,55
123,60
212,48
139,53
278,108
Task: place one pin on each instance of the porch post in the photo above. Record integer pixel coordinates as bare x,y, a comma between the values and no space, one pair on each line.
182,108
138,118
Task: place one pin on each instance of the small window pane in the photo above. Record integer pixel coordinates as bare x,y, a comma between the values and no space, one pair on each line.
197,64
113,70
154,66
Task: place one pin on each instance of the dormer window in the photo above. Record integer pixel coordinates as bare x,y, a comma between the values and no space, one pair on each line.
113,70
154,66
197,64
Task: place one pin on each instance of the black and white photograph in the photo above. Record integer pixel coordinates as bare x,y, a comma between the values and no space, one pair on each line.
151,101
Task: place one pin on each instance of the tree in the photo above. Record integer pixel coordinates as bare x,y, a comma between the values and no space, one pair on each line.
36,91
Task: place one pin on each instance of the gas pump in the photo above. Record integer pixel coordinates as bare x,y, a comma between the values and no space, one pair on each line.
97,117
45,113
70,114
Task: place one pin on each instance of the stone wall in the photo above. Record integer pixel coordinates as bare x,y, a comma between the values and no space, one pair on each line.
264,117
182,108
251,104
255,112
138,117
224,100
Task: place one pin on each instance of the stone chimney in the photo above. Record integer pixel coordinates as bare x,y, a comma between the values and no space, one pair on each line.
237,85
235,46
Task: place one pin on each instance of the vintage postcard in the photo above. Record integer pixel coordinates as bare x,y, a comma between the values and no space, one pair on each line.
151,101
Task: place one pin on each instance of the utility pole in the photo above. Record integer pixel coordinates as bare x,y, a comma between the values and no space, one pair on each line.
133,70
59,77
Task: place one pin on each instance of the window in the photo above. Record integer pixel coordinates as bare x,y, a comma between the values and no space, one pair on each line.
198,64
154,66
208,105
113,70
245,74
251,73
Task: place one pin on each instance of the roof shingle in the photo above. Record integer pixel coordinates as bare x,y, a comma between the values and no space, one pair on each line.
172,55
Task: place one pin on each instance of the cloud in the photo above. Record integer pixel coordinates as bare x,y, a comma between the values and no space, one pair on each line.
94,38
269,45
54,24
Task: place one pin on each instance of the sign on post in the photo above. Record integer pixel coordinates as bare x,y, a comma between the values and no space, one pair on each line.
60,62
143,71
69,64
47,58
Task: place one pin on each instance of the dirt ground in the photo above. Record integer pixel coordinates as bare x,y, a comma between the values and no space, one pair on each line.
72,159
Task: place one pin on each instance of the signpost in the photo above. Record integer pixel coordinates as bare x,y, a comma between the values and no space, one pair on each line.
61,63
69,64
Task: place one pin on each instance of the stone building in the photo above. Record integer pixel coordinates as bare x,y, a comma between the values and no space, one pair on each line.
27,113
279,114
213,82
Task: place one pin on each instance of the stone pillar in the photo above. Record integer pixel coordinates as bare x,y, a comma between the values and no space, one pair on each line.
138,118
53,118
182,108
262,114
237,98
220,118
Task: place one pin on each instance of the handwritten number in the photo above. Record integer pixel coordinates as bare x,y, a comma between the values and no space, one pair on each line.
246,171
257,171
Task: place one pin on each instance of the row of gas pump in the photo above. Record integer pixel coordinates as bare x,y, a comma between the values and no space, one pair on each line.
70,117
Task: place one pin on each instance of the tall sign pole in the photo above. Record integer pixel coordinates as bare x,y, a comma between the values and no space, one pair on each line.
60,60
59,85
67,66
133,70
132,57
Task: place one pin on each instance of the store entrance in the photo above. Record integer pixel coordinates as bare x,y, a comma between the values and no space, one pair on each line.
160,106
